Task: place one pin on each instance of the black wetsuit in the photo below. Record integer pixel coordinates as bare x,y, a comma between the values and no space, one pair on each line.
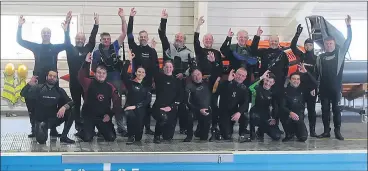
309,58
198,97
294,101
213,69
261,112
138,95
233,98
75,56
46,57
48,100
98,97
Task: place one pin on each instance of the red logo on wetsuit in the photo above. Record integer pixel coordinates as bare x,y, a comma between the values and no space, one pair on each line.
100,97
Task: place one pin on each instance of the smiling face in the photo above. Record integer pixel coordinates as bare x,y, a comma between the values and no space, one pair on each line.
46,34
168,68
295,80
140,73
242,37
197,76
80,39
240,75
274,42
208,40
143,38
101,74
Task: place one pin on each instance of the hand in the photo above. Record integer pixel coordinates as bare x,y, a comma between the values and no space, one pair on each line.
89,57
299,29
179,76
294,116
313,92
129,108
200,21
236,116
211,56
231,75
348,20
61,112
272,121
21,20
164,14
230,33
131,55
106,118
153,43
65,25
133,12
265,75
301,68
96,18
33,81
121,12
166,109
204,112
259,31
218,79
68,17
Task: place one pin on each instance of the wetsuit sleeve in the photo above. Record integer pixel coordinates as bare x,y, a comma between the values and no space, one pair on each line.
30,92
309,82
24,43
217,66
162,34
95,59
197,46
254,45
244,103
225,48
65,100
131,42
146,101
345,47
275,107
124,75
188,96
284,107
154,59
65,45
179,94
116,101
252,87
83,76
92,38
294,47
285,61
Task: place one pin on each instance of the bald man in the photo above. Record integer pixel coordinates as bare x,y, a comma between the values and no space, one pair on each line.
46,57
75,57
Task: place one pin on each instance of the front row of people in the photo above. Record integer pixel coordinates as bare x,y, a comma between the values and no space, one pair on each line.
232,106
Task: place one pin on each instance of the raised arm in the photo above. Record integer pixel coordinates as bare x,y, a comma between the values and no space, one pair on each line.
294,42
255,42
197,43
65,26
344,49
225,48
131,42
84,73
24,43
92,38
162,32
124,74
30,91
123,27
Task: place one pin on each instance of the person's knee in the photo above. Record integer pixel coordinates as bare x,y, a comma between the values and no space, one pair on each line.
302,138
276,136
335,109
110,137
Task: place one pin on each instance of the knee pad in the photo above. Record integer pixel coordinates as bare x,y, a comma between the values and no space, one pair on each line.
163,118
110,138
277,136
41,132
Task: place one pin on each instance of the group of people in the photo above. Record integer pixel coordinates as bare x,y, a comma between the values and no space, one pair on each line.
191,86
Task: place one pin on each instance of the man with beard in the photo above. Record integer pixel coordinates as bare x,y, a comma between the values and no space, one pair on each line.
46,56
108,54
51,107
146,57
210,64
98,95
75,58
309,60
330,66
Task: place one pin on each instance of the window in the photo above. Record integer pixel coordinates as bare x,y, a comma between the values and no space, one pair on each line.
10,49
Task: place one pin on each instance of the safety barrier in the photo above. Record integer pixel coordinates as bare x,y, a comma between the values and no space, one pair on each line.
211,161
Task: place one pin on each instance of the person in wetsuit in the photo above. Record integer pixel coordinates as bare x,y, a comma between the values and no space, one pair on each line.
263,113
52,107
198,95
146,57
210,64
168,98
330,66
98,95
108,53
75,56
138,98
309,60
234,104
293,104
46,57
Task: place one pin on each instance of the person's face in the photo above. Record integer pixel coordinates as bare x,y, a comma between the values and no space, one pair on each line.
106,40
46,34
242,38
80,39
100,74
308,46
268,83
140,73
52,77
197,76
168,68
295,80
329,45
208,41
240,76
274,42
179,39
143,38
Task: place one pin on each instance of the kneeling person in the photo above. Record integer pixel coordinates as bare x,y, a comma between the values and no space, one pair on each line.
97,105
51,103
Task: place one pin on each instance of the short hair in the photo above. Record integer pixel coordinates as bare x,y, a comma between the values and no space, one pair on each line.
52,70
194,69
104,34
168,61
143,31
295,73
329,38
271,76
242,68
102,66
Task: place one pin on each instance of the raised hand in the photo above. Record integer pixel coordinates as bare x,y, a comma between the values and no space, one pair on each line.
33,81
302,69
96,18
133,12
265,74
211,56
68,17
299,29
259,31
230,33
201,21
64,25
231,75
121,12
164,14
89,57
153,43
21,20
348,20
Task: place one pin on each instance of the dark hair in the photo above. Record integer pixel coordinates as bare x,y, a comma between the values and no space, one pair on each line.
102,66
271,76
329,38
191,70
295,73
140,66
168,61
53,70
143,31
104,34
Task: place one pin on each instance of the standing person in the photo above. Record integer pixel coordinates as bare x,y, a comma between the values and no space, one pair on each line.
330,66
98,94
46,57
108,54
138,98
309,60
146,57
75,57
210,64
